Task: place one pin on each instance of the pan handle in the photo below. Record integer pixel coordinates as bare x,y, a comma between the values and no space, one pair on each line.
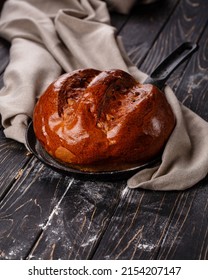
162,72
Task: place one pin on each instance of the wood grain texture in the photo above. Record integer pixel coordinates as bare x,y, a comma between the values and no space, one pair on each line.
138,226
157,225
26,208
77,225
74,231
13,158
118,21
192,91
185,24
60,217
143,28
187,234
189,225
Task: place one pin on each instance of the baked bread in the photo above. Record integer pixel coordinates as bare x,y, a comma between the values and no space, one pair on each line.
100,118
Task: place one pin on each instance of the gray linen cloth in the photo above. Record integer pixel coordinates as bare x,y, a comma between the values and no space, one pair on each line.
51,37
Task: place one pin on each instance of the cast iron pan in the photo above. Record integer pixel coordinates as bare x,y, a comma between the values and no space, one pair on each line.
158,78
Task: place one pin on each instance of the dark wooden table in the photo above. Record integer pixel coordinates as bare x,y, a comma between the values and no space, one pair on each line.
44,215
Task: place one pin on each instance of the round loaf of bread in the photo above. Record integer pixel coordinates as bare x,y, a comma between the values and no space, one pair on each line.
92,117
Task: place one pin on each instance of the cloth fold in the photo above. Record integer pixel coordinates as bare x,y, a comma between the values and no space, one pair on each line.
51,37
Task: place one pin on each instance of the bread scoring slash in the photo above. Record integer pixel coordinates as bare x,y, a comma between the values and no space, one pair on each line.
102,117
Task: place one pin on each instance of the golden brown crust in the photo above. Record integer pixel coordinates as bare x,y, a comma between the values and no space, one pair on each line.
91,116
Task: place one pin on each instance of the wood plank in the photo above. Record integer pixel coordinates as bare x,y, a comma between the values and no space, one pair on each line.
74,225
186,24
143,28
138,225
187,235
13,158
189,226
77,224
25,209
151,221
192,91
118,21
137,234
31,214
